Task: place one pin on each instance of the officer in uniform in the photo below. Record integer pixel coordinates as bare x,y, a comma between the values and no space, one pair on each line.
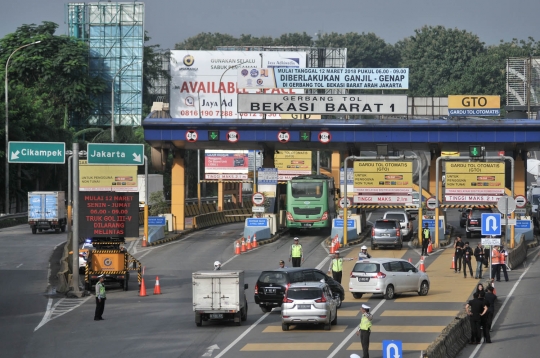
336,266
426,238
363,254
297,254
100,299
364,330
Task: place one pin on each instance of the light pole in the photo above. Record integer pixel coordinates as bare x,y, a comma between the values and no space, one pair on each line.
221,78
112,97
7,124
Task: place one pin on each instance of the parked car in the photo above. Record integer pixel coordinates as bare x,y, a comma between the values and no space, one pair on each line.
386,232
474,221
311,303
463,217
387,276
405,220
272,285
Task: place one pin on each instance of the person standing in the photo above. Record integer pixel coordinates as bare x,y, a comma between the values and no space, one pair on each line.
479,255
475,309
486,256
458,254
336,266
495,267
100,299
490,299
363,254
282,264
426,239
503,259
485,317
297,254
364,329
467,258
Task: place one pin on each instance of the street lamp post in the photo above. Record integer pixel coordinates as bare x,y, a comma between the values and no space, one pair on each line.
112,97
7,124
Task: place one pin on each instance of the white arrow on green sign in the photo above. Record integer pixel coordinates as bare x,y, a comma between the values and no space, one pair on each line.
37,152
115,154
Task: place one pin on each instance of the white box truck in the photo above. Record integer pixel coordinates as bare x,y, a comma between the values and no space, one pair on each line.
47,211
219,295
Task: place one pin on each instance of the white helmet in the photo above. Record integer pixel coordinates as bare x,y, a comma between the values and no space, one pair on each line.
364,247
217,265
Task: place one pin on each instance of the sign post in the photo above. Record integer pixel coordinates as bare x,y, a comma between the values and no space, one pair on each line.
506,206
115,154
37,152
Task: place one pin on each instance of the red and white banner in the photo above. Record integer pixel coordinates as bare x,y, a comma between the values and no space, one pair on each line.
225,176
473,198
220,161
382,199
384,190
475,191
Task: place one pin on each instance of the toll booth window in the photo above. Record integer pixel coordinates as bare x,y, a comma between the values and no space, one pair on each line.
311,190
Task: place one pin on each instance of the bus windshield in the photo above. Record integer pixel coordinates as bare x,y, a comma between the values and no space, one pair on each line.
307,189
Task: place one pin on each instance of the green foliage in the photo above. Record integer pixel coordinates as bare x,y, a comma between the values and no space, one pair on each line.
159,205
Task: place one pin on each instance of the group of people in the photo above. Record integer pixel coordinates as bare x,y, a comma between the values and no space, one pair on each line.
481,310
463,254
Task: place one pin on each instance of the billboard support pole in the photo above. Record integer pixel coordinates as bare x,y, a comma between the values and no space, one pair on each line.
145,238
75,234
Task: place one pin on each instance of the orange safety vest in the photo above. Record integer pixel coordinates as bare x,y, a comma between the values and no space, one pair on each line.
495,257
502,258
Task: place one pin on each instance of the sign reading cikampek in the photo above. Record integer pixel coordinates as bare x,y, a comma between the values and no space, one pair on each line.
115,154
37,152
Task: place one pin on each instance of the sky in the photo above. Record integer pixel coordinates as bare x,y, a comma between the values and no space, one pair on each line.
171,21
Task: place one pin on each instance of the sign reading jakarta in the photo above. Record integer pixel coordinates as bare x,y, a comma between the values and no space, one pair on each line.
322,104
372,78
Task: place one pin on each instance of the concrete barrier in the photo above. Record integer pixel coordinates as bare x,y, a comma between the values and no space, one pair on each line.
452,339
519,254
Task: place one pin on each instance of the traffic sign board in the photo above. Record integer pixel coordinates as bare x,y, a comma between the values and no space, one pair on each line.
283,136
491,241
115,154
523,224
491,224
431,203
342,202
192,136
305,136
506,205
392,349
156,221
325,137
521,201
37,152
257,198
233,136
257,209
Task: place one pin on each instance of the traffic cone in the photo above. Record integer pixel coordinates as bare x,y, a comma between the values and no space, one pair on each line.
333,244
243,247
422,267
157,288
144,242
453,264
410,260
248,243
237,247
254,243
430,248
142,291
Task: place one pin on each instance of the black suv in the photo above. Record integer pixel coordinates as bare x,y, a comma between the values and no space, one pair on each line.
272,285
474,221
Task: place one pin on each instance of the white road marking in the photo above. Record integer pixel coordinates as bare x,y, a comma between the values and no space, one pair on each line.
233,343
19,265
61,307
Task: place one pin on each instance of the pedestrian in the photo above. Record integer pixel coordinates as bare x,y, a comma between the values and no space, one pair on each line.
484,318
458,254
490,299
467,258
503,259
480,288
479,255
282,264
100,299
336,266
495,267
364,329
297,254
426,239
486,256
363,254
475,309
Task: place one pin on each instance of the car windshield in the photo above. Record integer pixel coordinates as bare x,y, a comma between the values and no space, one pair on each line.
385,225
304,293
366,267
273,277
477,214
307,189
399,217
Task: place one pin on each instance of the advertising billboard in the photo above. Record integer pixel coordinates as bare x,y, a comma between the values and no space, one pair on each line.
204,83
474,105
382,177
292,162
120,178
226,162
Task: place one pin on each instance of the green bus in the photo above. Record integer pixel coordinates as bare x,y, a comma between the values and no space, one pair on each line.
310,202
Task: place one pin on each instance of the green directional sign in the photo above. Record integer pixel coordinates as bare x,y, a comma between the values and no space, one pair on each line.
115,154
475,151
305,136
213,135
37,152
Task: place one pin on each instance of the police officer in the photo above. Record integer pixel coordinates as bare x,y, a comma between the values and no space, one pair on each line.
100,299
336,266
297,254
426,239
217,265
363,254
364,330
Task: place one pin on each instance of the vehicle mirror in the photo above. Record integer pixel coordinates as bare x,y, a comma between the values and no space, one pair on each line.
245,286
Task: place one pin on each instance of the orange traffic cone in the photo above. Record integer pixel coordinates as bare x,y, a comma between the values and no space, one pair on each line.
157,288
453,264
142,291
422,267
410,260
237,247
254,243
337,243
430,248
243,247
248,244
333,244
144,242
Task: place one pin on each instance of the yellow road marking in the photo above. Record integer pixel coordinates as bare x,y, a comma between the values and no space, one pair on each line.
426,313
307,346
277,329
408,329
348,313
376,346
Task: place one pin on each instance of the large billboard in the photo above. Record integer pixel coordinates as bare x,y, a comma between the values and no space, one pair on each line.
291,163
226,162
474,105
474,178
204,83
382,177
119,178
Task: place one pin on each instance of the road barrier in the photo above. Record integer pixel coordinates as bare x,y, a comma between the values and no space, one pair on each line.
519,254
452,339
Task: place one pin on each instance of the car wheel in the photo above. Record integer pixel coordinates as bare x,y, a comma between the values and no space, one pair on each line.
40,230
238,318
284,327
327,326
334,321
424,288
265,308
389,293
373,247
63,228
338,301
198,320
244,313
357,295
34,230
400,246
126,284
468,234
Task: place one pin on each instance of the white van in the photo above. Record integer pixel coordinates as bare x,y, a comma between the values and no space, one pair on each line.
405,219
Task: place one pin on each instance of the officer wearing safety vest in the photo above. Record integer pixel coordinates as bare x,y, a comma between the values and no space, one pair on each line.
336,266
297,254
426,238
364,330
100,299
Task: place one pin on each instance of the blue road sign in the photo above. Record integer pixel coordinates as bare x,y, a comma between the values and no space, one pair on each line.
431,223
523,224
491,224
392,349
256,222
350,223
156,221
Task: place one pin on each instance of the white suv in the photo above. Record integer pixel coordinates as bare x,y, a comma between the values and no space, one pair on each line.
405,221
387,276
